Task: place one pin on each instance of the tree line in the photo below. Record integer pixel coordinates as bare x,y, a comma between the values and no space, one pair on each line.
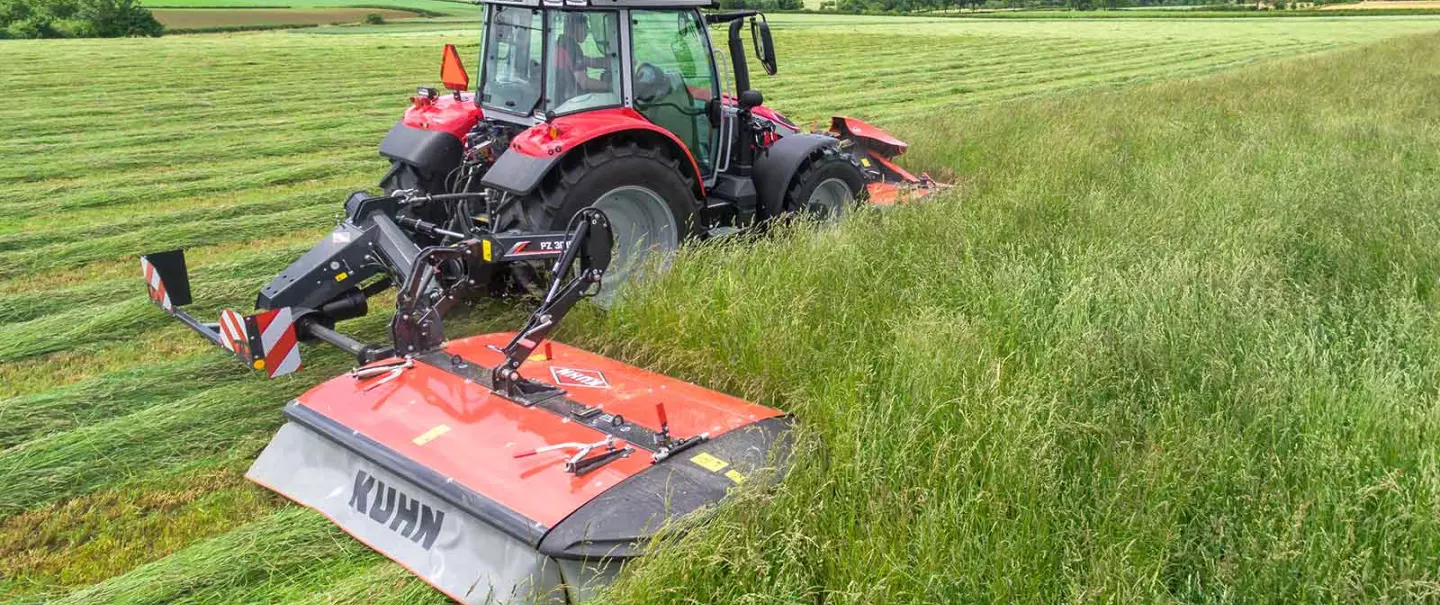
76,19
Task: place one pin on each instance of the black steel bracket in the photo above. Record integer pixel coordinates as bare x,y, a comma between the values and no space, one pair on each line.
590,242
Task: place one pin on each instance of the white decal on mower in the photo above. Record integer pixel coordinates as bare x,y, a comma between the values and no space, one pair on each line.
572,377
522,249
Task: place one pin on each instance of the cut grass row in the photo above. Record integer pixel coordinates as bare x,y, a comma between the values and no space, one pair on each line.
1011,406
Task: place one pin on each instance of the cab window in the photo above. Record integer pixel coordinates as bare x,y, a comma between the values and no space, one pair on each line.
673,80
512,60
584,61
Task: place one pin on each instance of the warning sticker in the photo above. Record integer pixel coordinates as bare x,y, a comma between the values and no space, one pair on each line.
574,377
735,476
709,463
431,434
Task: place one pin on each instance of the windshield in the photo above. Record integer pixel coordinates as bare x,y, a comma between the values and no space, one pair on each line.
512,60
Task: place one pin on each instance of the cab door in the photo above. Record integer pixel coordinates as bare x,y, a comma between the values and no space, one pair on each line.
674,78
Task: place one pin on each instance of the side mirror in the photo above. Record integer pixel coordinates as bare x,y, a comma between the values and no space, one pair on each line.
764,44
452,71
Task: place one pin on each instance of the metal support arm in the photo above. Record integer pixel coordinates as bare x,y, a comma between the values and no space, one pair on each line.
590,243
428,292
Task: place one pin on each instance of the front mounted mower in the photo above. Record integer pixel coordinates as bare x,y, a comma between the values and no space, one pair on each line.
504,467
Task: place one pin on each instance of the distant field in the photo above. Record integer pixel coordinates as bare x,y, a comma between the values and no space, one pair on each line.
1173,336
444,7
187,18
1371,9
1384,5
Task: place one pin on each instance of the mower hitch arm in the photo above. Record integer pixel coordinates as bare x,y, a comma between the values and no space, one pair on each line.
423,300
590,242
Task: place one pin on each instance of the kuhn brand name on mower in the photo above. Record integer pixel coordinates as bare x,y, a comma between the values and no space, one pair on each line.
401,513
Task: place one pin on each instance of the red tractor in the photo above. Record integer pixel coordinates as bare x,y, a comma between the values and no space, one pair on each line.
626,110
602,129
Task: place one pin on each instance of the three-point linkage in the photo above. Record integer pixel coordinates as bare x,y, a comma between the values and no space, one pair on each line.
589,243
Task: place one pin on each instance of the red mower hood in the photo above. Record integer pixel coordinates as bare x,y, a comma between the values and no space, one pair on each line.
467,433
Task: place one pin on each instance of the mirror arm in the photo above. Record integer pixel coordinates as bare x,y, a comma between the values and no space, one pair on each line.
714,18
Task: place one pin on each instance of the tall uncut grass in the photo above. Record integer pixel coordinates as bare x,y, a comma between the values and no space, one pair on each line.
1177,343
1164,343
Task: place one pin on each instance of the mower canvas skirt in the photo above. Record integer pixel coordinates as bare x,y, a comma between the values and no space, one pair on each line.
464,487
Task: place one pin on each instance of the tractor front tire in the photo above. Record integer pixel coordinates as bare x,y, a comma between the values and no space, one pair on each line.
825,187
643,189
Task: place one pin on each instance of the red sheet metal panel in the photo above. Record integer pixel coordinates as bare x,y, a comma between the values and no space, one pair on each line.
469,434
871,135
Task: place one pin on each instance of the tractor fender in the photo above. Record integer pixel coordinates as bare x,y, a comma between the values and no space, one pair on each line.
777,166
428,141
539,148
434,153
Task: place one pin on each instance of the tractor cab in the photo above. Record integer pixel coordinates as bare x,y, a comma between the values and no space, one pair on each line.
540,62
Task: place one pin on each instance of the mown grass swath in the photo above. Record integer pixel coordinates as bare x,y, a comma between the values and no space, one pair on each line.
1172,341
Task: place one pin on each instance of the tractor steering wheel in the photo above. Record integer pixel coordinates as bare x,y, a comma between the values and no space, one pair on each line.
650,83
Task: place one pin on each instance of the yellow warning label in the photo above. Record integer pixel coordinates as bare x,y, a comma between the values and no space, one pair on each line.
865,162
431,434
341,276
709,463
735,476
485,251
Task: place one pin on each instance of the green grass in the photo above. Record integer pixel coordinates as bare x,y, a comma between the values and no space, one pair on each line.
1170,339
1176,343
1187,13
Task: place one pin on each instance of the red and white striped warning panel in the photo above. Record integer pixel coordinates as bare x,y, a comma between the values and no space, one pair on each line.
278,341
232,333
157,287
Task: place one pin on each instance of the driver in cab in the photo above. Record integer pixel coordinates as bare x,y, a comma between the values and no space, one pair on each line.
572,65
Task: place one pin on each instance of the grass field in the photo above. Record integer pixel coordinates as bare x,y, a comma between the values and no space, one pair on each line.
1168,340
1385,5
192,18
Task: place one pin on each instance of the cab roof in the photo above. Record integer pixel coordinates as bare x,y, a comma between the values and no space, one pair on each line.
603,3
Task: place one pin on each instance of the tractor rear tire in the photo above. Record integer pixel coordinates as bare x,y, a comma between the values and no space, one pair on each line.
640,186
825,186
